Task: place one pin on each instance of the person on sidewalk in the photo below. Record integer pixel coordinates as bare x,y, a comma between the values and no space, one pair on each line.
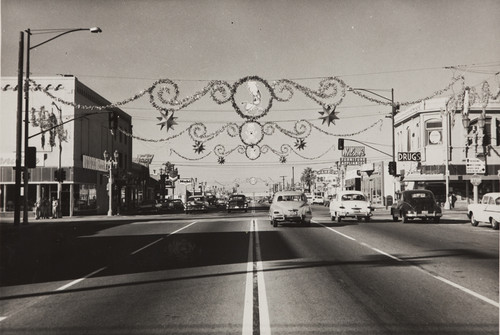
55,205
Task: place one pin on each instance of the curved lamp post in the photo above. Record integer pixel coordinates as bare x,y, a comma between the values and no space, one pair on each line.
18,168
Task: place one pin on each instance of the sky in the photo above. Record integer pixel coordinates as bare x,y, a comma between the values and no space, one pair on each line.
412,47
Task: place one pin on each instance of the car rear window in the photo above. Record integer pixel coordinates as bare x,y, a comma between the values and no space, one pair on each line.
353,197
420,195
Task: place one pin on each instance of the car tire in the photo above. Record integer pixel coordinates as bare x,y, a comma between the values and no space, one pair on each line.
395,218
275,223
332,217
405,218
339,219
437,219
367,219
472,220
494,224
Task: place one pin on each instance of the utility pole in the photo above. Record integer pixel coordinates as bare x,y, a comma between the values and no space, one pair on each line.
283,187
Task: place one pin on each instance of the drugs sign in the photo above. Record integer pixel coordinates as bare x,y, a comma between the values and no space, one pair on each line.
409,156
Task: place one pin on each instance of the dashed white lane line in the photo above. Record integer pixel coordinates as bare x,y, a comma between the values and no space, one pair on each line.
76,281
79,280
161,239
444,280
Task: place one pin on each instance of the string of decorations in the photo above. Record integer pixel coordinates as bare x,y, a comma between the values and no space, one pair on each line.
47,121
252,98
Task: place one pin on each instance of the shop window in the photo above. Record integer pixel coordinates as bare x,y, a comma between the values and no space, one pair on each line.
486,132
433,132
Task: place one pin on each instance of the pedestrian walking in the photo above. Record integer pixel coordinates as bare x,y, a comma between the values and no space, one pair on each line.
55,205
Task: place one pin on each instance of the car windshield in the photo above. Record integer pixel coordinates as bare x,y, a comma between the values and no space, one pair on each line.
296,197
238,198
353,197
196,199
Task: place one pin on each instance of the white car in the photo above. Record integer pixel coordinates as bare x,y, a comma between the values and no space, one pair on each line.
318,200
486,211
290,206
350,204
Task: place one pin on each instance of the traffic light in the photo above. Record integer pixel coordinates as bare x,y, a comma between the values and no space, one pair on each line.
56,175
341,144
62,174
392,168
31,157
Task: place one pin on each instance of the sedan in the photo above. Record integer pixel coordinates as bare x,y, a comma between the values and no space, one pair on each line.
196,203
416,204
350,204
290,206
488,210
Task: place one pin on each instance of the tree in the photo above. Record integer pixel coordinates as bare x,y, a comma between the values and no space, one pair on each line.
308,177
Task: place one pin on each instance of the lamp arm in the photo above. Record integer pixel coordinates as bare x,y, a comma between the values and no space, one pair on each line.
57,36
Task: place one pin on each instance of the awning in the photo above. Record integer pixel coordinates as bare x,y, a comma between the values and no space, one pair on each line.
424,177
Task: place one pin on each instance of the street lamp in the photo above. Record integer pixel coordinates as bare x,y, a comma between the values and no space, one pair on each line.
394,110
29,32
111,162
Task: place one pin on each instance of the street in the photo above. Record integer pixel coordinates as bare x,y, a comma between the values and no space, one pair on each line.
220,273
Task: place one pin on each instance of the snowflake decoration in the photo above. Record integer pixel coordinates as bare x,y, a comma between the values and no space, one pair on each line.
198,147
300,144
221,160
282,159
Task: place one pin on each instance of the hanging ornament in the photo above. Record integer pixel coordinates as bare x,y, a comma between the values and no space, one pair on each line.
198,147
300,144
221,160
328,116
168,121
282,159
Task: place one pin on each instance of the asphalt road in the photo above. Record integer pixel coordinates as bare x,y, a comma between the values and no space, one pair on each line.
221,273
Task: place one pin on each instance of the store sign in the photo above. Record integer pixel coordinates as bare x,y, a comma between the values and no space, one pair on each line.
9,159
475,165
144,159
475,180
353,155
93,163
409,156
185,180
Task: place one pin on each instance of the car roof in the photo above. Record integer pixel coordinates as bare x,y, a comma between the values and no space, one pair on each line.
350,192
492,194
288,193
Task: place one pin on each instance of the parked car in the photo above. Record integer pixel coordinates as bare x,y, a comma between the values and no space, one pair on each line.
237,202
350,204
309,197
196,203
290,206
416,204
488,210
318,200
170,206
221,203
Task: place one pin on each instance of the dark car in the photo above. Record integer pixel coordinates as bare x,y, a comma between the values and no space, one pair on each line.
170,206
415,204
237,202
196,203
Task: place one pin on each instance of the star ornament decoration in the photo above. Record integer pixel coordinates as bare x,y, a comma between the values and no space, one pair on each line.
221,160
198,147
167,121
329,116
282,159
300,144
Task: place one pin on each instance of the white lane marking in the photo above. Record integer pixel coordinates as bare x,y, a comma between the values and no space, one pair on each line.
382,252
160,239
265,324
444,280
255,281
335,231
248,304
79,280
2,318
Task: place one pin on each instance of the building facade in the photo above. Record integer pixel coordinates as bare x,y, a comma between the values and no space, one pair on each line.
441,149
77,147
